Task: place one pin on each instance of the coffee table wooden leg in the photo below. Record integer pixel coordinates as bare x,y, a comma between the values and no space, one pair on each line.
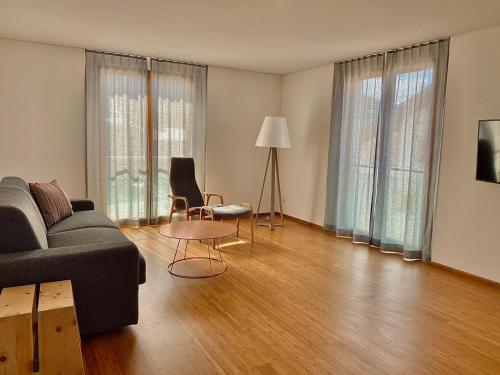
59,337
16,330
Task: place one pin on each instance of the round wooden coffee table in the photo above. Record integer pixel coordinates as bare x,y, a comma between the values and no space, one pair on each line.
212,231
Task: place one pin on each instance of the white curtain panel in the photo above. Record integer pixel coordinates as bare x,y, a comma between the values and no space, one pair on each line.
387,118
117,135
358,94
179,125
409,149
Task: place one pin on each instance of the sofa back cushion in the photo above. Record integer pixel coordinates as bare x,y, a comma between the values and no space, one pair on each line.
22,227
19,183
16,182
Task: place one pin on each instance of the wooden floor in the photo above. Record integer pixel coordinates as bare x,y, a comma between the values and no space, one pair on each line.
302,301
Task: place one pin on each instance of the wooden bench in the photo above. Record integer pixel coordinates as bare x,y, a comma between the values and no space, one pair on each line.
57,334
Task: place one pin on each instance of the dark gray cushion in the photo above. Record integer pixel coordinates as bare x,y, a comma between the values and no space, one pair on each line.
85,236
21,225
183,182
92,236
80,220
231,211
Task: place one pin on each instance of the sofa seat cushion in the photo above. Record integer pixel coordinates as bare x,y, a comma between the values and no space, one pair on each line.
85,236
90,236
81,220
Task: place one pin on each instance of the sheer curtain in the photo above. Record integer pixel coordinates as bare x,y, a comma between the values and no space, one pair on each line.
404,153
117,135
357,97
179,125
128,176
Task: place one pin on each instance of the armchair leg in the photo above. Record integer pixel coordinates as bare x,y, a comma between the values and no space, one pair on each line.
237,227
171,213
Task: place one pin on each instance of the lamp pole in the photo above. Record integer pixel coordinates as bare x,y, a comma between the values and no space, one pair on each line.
275,178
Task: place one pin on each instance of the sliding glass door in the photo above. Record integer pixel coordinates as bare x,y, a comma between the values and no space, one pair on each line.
137,119
387,115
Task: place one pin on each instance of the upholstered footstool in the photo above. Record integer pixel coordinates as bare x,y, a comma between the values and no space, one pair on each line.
229,211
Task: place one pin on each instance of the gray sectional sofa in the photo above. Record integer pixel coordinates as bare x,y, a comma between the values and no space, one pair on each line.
87,248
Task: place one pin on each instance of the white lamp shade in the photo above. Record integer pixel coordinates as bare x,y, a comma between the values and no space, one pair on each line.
274,133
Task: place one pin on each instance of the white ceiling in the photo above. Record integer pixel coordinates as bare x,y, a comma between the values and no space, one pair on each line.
274,36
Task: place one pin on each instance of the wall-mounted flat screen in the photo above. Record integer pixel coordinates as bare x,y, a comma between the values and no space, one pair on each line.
488,151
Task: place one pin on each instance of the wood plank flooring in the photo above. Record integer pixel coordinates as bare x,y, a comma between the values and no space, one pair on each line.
300,301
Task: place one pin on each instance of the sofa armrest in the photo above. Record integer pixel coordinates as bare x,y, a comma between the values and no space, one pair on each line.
82,204
105,279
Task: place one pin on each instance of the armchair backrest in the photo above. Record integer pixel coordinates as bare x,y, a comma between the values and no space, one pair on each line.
183,182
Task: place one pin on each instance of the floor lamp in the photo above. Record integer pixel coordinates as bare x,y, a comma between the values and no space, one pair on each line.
273,134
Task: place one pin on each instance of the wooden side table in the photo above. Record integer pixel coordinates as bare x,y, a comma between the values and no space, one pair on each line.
52,325
198,230
58,333
16,330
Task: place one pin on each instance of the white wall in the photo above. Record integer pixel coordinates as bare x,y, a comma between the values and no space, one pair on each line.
237,103
467,229
42,136
42,113
42,120
306,103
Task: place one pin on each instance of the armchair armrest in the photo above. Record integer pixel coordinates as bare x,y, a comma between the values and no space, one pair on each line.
179,198
209,212
82,204
207,197
174,209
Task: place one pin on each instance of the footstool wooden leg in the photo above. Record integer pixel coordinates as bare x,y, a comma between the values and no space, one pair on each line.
16,330
248,205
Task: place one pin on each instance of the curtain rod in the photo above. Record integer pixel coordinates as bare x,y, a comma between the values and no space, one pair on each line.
144,57
392,50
